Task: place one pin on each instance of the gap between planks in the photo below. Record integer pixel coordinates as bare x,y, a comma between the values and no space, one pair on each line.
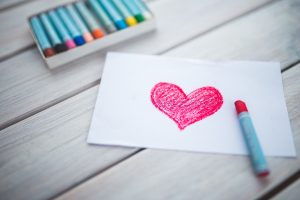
50,104
11,4
282,186
99,172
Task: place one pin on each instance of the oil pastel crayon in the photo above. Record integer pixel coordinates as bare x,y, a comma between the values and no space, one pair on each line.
134,10
258,159
79,23
56,42
61,29
41,37
143,8
130,20
92,23
115,16
72,29
103,17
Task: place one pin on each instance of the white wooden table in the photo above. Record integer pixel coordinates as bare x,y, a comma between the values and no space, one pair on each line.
45,115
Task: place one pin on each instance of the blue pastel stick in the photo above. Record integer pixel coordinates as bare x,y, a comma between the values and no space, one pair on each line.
69,24
78,21
258,159
40,33
41,37
56,42
115,16
61,29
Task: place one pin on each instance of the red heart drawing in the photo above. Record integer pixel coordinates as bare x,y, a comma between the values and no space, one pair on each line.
186,109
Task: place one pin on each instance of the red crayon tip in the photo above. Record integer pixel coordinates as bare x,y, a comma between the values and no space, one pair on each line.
240,106
263,174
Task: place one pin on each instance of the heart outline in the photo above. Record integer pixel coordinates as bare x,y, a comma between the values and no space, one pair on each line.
184,109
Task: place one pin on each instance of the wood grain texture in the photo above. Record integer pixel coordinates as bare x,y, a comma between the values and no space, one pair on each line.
158,174
47,153
27,86
290,193
6,4
271,34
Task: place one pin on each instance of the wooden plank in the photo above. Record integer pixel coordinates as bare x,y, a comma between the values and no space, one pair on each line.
4,4
290,193
26,84
268,35
51,153
158,174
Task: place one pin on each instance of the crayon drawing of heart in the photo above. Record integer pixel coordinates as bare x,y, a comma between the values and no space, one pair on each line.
186,109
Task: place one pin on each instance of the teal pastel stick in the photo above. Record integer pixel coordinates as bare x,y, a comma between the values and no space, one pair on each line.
86,15
258,159
122,8
113,13
54,38
61,30
143,8
102,15
40,33
77,19
69,24
132,7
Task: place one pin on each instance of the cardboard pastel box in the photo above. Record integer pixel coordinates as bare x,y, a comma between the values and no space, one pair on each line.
96,45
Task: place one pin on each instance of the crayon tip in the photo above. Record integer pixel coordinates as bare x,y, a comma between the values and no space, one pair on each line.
131,21
79,40
48,52
263,173
121,24
70,44
139,18
88,37
98,33
240,106
60,48
111,28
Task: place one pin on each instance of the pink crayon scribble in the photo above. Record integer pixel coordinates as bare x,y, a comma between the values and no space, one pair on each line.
186,109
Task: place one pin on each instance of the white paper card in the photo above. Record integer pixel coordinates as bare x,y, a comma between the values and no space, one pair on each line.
126,114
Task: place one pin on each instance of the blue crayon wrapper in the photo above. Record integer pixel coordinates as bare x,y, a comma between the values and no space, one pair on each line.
256,154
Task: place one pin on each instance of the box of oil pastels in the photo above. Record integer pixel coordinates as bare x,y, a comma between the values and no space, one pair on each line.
66,33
